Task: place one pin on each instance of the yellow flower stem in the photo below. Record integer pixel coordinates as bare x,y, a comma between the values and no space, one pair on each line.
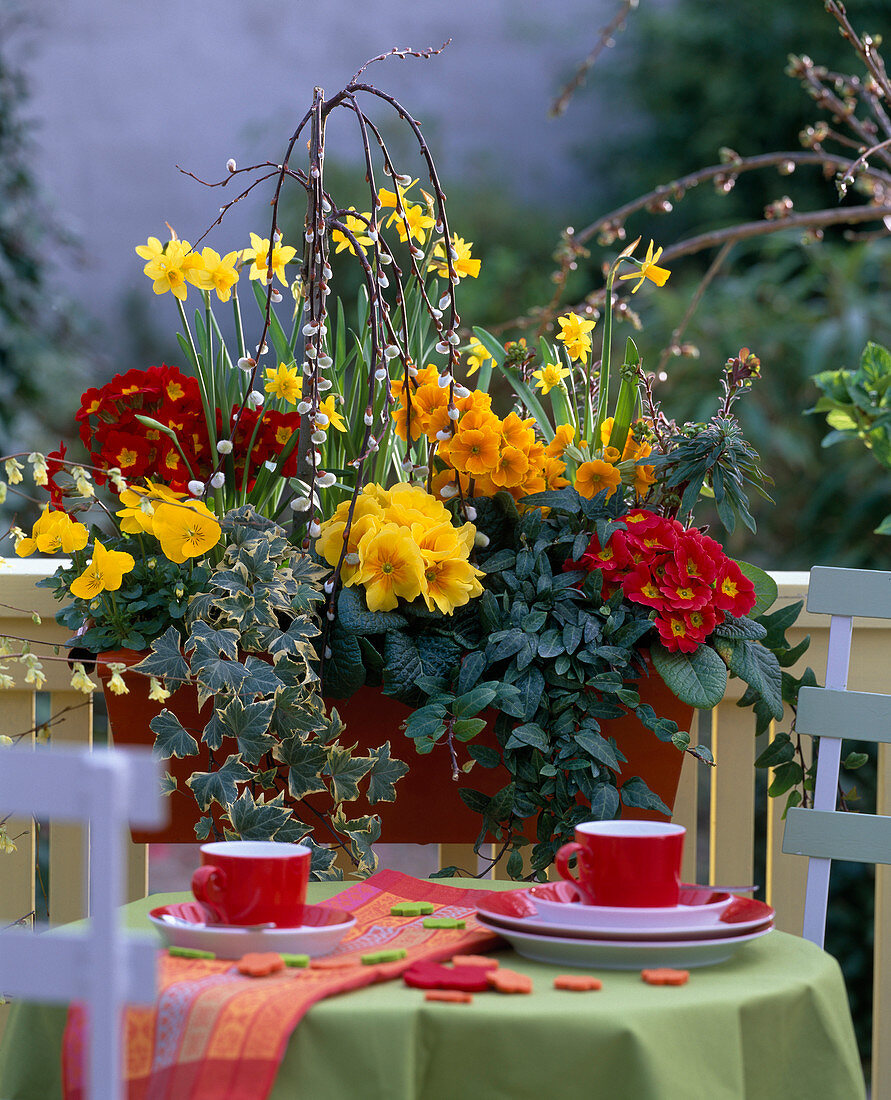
626,402
563,412
592,432
209,408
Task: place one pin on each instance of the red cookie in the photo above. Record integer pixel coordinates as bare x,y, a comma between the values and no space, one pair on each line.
456,996
509,981
257,964
578,983
665,976
427,975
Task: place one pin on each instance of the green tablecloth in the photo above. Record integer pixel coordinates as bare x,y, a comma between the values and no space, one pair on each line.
771,1023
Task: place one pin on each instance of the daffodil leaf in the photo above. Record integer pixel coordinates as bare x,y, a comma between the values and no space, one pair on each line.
384,774
220,785
345,771
166,660
171,738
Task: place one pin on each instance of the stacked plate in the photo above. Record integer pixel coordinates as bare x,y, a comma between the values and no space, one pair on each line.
550,923
192,924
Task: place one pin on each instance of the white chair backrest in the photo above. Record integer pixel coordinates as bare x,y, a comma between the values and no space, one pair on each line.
102,968
833,713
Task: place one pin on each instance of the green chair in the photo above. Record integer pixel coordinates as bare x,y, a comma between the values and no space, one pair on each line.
832,713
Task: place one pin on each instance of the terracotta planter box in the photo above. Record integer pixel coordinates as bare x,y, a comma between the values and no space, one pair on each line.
428,808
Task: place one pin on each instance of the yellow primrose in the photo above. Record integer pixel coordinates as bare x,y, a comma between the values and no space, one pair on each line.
359,229
564,434
390,567
259,252
574,335
593,477
104,573
216,273
413,504
549,376
449,583
169,265
462,261
284,382
648,270
187,529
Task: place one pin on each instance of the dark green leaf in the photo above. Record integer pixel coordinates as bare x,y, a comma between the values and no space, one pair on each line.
384,774
698,679
171,739
346,771
220,785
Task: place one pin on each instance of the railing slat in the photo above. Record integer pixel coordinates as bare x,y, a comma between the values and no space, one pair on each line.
732,807
881,1020
68,851
786,875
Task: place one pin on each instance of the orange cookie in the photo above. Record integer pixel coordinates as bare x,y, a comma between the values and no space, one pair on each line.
665,976
257,964
453,995
485,961
509,981
579,983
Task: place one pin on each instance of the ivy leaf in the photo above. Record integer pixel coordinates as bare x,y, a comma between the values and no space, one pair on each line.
698,679
254,820
249,724
261,678
384,774
166,660
346,771
304,761
168,782
220,785
171,738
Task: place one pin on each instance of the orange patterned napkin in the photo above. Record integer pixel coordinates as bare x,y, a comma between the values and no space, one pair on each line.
216,1034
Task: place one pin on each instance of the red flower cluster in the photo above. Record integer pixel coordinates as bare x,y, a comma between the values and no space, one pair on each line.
114,437
681,573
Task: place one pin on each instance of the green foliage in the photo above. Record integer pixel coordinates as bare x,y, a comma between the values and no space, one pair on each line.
248,647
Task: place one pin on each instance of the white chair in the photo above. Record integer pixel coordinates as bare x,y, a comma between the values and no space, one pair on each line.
103,968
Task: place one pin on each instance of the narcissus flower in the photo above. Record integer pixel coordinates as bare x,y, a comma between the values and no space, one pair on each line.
185,530
574,335
169,265
359,229
335,419
462,261
284,382
104,573
259,253
648,270
216,273
477,354
549,376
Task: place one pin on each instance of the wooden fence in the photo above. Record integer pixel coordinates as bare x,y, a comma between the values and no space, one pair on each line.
734,835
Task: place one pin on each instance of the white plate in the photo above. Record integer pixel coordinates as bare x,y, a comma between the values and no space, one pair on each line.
521,909
560,903
621,954
192,926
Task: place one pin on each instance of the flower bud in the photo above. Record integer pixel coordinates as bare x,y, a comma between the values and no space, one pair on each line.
326,480
351,559
470,512
196,488
444,436
448,491
218,480
369,417
314,530
324,383
275,295
380,374
481,540
270,466
325,361
391,351
453,413
329,615
318,437
299,504
303,408
256,398
247,364
231,165
444,380
461,391
442,348
224,446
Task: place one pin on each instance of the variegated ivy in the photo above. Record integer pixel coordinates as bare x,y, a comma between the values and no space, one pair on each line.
248,649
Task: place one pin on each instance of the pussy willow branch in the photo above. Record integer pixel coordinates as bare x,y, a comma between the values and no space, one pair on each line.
604,42
863,46
713,269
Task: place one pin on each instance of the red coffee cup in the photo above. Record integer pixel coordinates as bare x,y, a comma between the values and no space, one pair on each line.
629,864
254,881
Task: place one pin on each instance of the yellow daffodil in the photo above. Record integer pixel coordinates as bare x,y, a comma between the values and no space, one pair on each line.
387,198
648,270
390,567
284,382
415,219
574,335
216,273
359,229
593,477
462,261
104,573
328,408
169,265
185,530
259,252
477,354
549,376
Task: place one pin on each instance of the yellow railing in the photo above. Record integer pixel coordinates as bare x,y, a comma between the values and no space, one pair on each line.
729,837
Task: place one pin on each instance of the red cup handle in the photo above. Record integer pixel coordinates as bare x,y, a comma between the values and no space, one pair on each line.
564,855
208,884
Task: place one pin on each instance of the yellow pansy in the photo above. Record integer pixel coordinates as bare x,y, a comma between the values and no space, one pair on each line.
53,533
185,530
137,515
104,573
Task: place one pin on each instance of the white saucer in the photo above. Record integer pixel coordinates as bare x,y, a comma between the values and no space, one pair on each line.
560,903
621,954
190,924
